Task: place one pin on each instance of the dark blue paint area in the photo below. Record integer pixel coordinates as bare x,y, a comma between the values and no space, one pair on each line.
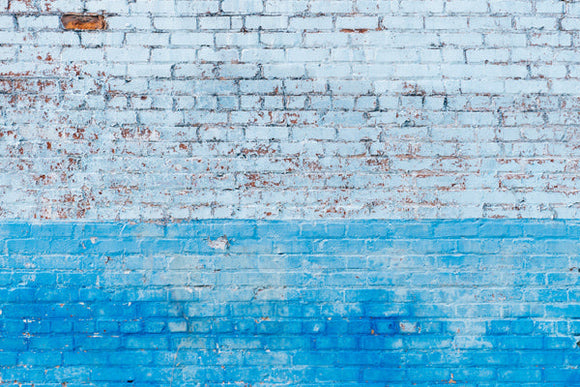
342,303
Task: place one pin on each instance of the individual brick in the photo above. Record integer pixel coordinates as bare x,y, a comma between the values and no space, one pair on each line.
76,21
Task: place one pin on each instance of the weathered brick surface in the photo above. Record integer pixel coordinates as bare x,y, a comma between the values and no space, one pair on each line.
333,303
138,136
290,109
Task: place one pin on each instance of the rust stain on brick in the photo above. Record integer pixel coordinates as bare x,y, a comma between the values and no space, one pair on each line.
83,21
355,30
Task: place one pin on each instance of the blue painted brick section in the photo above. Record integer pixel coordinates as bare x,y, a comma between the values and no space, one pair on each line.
472,302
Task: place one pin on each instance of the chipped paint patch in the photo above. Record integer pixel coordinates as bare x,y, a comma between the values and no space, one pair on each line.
221,243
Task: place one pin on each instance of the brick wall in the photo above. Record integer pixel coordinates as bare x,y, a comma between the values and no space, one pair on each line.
340,303
290,109
268,192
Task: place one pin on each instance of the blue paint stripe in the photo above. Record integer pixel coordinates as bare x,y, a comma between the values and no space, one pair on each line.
290,302
441,236
302,229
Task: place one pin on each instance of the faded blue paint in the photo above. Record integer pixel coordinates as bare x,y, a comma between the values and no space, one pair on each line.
374,303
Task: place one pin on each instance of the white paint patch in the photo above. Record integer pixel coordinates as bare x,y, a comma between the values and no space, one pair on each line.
221,243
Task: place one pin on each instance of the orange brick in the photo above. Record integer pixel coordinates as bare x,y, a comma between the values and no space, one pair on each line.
83,21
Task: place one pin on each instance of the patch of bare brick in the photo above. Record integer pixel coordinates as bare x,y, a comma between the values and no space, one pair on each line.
83,21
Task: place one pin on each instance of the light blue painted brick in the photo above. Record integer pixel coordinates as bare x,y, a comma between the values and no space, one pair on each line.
565,376
105,229
414,230
161,246
143,230
520,375
276,229
368,230
315,230
43,246
545,230
453,229
187,230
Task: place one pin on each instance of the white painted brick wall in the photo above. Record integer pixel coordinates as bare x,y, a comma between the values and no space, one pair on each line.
290,109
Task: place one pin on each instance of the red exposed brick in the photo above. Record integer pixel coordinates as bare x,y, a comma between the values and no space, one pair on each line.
83,21
357,30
